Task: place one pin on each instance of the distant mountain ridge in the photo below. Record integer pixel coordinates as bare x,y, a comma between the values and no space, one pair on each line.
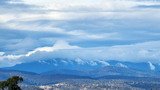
89,68
59,63
50,79
38,79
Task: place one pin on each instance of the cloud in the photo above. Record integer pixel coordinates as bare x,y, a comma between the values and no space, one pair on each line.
140,52
22,46
149,6
57,46
18,42
1,53
147,51
15,6
10,60
29,28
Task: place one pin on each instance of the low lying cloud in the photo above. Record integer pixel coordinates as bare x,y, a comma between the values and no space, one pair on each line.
141,52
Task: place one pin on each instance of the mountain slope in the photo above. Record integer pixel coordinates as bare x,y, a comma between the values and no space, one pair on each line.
38,79
89,68
58,63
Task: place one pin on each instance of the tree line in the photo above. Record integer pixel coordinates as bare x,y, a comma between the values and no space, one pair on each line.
11,83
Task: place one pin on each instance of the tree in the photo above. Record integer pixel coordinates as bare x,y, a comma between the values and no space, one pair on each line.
3,85
11,83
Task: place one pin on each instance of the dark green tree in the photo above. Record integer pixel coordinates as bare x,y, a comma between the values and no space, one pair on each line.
3,85
11,83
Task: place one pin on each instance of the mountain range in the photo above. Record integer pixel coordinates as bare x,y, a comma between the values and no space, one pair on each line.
89,68
48,72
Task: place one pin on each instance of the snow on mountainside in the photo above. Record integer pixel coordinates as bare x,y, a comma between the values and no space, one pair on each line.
121,65
79,66
59,63
152,67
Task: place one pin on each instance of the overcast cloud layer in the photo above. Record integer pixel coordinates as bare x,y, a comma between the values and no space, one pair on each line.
125,30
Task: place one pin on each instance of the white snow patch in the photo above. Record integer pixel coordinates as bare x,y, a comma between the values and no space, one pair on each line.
80,61
92,63
152,67
104,63
121,65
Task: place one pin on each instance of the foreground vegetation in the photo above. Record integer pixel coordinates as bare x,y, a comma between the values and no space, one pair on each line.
11,83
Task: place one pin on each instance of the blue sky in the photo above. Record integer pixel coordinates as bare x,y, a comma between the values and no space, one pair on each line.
126,30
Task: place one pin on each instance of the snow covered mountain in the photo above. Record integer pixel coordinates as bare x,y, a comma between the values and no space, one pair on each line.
59,63
83,67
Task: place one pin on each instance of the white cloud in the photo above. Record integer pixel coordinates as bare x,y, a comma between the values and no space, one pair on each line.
68,10
79,4
78,19
10,60
22,45
57,46
142,52
121,65
2,53
5,17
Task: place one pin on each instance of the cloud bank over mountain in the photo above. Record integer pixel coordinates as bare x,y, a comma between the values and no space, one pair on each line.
142,52
103,29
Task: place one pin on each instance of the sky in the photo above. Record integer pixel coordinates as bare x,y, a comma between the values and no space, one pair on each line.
125,30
